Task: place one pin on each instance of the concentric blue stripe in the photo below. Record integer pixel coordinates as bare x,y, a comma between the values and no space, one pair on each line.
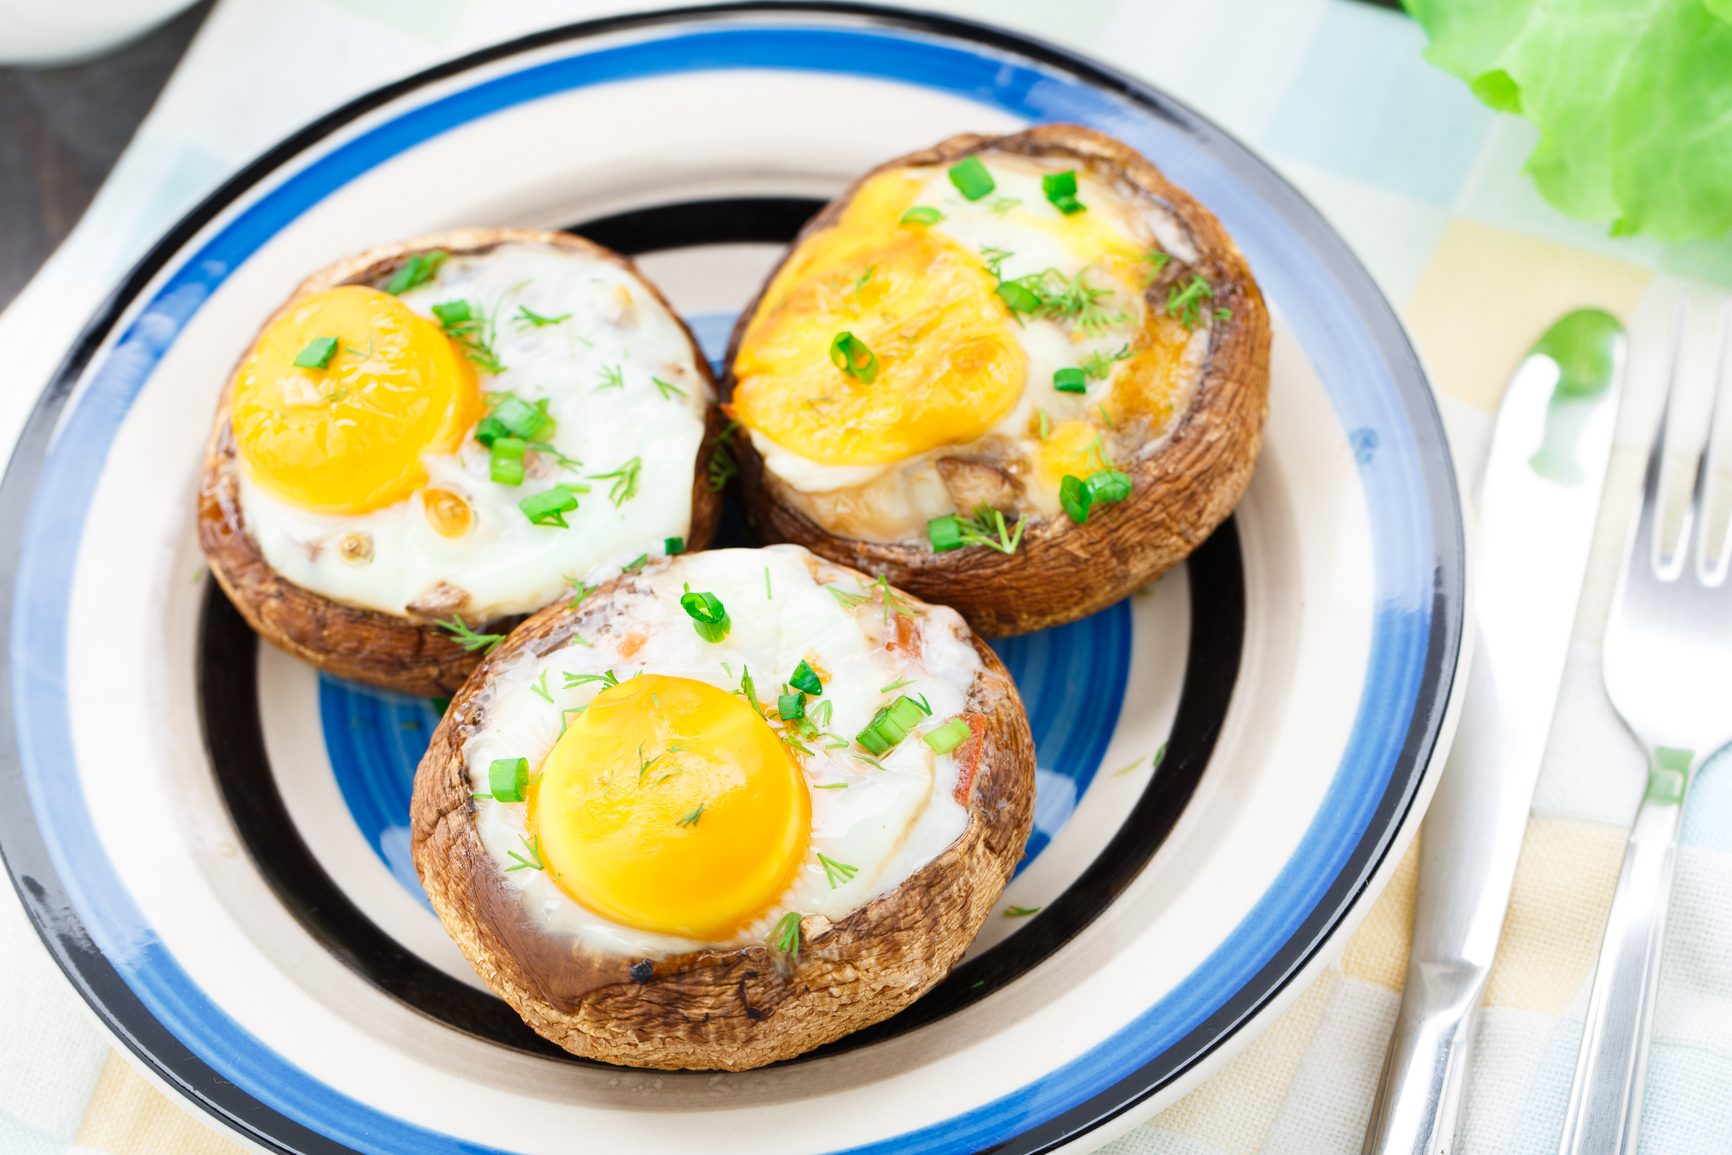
1347,357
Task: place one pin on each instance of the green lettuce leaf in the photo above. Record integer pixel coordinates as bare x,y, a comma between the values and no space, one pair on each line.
1633,99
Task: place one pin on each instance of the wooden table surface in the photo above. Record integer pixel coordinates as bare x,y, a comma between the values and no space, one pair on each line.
62,129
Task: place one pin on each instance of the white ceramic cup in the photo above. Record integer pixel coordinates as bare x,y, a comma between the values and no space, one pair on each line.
68,31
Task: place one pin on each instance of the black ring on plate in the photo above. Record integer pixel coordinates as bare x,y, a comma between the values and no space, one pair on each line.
45,897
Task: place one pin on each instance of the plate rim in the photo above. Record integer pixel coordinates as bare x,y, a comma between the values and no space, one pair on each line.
152,1043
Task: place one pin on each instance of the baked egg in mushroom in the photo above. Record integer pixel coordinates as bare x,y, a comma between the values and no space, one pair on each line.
1022,375
448,433
724,809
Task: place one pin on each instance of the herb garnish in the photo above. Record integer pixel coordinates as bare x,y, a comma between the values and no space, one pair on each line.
1069,381
533,862
1185,303
748,691
1044,428
896,685
624,481
786,936
850,354
666,389
514,417
845,599
995,259
948,736
608,680
834,870
507,780
417,270
971,178
468,638
1157,261
998,206
636,564
612,377
805,679
1050,294
986,527
1060,189
1102,488
505,460
529,318
581,589
1020,911
709,617
722,464
1099,365
462,322
317,354
890,725
921,215
892,599
550,506
540,687
673,546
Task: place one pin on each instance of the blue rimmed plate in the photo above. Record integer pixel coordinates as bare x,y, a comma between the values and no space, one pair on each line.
209,834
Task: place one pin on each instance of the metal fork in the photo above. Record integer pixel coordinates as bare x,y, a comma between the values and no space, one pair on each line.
1668,669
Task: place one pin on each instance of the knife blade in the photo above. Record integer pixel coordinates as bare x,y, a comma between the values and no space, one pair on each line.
1538,503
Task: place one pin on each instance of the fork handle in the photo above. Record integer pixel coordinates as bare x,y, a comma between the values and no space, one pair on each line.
1605,1108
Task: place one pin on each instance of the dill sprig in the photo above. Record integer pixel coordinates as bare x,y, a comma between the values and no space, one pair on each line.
786,936
834,870
667,389
572,681
987,527
1186,303
581,589
534,861
612,377
1157,261
462,322
540,687
528,318
1050,294
624,479
1099,365
995,259
468,638
845,599
892,599
722,463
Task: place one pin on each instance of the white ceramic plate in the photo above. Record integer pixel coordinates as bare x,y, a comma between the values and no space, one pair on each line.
210,835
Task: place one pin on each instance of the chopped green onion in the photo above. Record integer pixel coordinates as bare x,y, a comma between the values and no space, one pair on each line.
850,354
1018,296
520,419
709,616
945,532
921,215
454,313
806,679
971,178
317,354
1074,496
508,779
948,736
549,506
890,725
1107,486
1060,189
791,707
674,546
490,430
505,460
417,270
1069,381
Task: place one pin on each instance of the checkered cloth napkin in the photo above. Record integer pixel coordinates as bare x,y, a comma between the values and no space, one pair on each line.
1425,184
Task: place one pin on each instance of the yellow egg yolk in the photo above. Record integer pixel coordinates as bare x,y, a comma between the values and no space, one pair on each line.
348,437
948,363
671,806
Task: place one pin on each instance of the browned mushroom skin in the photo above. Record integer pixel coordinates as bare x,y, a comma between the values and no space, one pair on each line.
1064,571
722,1009
408,654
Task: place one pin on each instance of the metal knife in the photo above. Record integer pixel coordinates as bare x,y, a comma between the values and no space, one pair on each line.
1538,504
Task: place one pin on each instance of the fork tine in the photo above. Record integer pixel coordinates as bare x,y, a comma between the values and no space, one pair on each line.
1649,539
1712,571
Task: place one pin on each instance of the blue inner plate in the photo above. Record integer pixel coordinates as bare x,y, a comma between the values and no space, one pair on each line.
1351,336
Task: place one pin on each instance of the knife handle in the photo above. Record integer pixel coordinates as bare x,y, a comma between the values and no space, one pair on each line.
1419,1097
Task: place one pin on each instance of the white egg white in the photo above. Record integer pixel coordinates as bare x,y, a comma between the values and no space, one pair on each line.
888,820
1016,218
598,370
